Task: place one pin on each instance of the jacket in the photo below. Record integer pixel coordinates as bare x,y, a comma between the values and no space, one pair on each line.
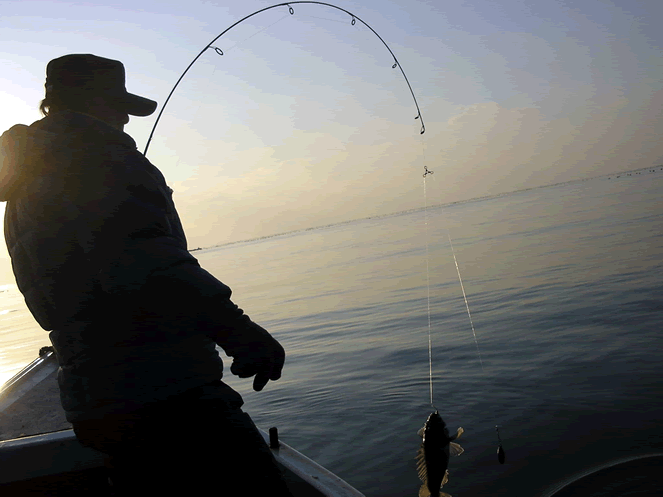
99,253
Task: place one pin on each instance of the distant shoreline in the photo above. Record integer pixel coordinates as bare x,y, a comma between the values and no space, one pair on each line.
435,206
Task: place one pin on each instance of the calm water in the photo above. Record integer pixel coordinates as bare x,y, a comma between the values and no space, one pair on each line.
564,284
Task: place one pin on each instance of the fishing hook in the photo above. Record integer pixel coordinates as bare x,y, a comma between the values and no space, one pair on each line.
292,12
427,172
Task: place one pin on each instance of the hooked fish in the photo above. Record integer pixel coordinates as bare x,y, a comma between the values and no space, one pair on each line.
433,455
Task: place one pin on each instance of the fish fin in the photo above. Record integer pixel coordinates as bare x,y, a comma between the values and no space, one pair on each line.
422,470
455,449
458,434
445,480
423,491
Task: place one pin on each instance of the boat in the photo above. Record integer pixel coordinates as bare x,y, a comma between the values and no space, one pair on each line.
40,455
627,475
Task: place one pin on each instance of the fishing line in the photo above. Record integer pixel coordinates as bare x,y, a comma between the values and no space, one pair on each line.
501,455
291,11
249,37
467,306
437,444
430,340
326,19
462,287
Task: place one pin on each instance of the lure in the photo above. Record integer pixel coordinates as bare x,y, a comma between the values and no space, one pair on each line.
433,455
292,12
501,456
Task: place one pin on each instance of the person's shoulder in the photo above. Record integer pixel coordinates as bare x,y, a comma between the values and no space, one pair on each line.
23,136
13,131
24,153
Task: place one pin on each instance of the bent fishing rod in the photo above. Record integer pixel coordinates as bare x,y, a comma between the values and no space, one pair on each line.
354,17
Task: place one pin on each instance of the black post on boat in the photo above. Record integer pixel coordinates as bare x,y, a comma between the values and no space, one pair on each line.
274,438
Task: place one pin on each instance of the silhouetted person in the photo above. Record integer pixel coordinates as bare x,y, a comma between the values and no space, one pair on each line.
100,256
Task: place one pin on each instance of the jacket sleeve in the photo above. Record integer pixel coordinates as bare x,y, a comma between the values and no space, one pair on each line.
185,297
136,249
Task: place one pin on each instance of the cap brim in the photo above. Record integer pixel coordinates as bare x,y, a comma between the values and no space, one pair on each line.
138,106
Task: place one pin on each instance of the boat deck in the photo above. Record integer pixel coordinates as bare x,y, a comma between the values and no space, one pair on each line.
33,407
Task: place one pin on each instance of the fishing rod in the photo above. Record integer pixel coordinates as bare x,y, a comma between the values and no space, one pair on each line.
354,17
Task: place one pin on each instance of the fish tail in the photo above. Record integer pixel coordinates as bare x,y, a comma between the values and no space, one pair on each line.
424,492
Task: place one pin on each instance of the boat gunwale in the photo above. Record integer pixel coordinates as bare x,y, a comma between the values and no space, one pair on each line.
57,452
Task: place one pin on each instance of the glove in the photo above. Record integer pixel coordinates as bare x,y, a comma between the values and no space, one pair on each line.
255,353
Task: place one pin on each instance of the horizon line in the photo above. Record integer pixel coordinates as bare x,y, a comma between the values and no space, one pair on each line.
435,206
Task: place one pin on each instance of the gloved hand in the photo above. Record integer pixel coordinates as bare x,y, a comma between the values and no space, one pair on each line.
254,352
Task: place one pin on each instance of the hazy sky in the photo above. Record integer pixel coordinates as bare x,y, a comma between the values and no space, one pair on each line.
304,122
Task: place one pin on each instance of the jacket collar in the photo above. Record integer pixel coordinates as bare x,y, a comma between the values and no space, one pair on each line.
84,127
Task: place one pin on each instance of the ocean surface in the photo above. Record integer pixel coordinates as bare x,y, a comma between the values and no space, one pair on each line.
565,288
